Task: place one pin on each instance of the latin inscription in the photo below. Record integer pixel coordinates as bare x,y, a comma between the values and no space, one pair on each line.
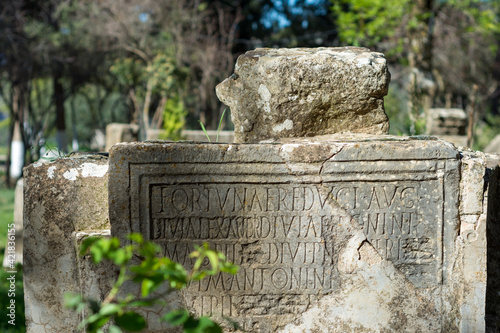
276,233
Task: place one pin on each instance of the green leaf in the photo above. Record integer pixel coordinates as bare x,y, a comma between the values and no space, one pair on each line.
72,300
97,254
146,287
96,321
220,124
201,325
136,237
228,267
119,256
214,260
204,130
149,250
176,317
130,321
87,242
114,329
110,309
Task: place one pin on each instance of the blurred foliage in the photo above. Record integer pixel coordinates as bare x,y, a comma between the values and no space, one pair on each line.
443,51
485,131
159,62
150,273
174,119
368,22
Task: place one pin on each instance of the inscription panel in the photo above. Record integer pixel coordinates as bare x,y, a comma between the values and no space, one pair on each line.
278,234
287,227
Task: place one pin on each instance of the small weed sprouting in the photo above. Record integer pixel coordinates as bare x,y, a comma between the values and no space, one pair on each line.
218,128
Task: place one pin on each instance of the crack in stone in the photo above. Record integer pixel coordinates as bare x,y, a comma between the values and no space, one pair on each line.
326,160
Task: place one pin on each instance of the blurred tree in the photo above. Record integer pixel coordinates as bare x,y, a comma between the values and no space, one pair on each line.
424,36
16,68
309,24
44,53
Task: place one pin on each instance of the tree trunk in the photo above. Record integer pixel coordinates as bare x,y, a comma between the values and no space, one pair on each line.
62,143
421,86
16,151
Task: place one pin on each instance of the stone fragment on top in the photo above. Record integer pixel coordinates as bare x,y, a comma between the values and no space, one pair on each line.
303,92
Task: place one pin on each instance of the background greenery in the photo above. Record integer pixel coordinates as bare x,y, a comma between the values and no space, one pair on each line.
75,66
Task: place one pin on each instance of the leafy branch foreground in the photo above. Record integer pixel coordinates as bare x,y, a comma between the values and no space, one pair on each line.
151,272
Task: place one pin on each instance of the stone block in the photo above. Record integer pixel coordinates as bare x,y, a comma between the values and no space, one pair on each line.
443,121
60,198
331,233
116,132
279,93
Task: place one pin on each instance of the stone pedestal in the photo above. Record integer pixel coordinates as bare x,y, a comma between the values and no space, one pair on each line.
332,234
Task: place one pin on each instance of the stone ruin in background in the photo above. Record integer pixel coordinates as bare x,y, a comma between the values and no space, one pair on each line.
448,124
335,226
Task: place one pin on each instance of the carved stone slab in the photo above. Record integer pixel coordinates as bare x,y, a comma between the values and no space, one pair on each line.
302,219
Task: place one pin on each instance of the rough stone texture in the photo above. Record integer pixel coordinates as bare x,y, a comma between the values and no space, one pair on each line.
279,93
472,241
332,234
62,197
18,222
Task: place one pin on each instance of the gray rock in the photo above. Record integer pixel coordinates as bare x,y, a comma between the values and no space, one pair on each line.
278,93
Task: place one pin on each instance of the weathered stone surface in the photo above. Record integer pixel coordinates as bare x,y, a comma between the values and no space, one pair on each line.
331,234
279,93
60,198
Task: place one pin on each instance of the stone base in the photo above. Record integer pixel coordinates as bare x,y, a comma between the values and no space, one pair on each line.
332,234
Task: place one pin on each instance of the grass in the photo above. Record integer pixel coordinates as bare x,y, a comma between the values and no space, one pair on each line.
7,217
